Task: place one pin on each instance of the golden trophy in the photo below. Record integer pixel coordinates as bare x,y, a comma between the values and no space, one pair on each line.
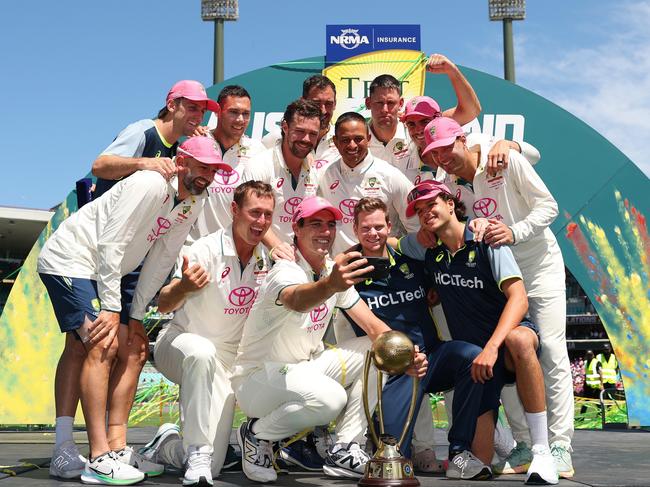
392,353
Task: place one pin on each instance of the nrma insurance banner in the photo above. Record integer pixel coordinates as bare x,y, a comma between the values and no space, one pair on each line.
344,41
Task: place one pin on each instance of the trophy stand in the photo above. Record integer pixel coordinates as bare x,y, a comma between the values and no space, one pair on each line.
392,352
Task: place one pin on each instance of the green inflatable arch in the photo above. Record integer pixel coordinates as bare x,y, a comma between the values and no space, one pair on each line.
601,229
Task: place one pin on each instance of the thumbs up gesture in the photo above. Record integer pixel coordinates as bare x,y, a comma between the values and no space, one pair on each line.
194,277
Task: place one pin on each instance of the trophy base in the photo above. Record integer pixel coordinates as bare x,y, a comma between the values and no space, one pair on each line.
396,472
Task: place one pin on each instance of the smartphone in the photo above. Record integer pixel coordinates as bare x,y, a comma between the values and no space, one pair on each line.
381,267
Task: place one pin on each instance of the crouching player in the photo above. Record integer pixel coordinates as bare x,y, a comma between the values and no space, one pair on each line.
283,379
212,294
483,296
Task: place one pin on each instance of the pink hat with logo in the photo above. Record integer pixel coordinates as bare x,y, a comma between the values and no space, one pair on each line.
205,150
426,190
310,206
441,132
421,106
193,91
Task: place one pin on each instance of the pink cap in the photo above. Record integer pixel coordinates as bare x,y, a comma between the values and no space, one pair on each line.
441,132
194,91
421,106
424,191
311,206
205,150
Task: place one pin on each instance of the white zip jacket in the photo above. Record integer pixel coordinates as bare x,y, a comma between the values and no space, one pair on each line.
518,197
217,212
269,167
110,236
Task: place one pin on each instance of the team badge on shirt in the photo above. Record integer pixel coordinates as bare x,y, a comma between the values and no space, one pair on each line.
471,257
404,268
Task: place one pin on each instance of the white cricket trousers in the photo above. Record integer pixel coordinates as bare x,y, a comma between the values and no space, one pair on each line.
207,401
288,398
549,314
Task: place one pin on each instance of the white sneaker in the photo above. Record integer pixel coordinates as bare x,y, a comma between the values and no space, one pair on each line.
67,462
257,455
165,433
131,457
106,469
346,461
542,470
198,470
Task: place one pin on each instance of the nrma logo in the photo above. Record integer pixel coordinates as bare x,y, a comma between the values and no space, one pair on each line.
349,39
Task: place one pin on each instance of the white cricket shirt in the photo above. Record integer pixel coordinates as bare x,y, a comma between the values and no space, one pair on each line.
344,186
274,333
218,311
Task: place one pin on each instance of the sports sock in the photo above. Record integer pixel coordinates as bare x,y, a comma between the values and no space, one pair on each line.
537,424
63,429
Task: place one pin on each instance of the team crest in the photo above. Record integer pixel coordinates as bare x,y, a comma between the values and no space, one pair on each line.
471,257
432,130
372,182
404,268
399,146
186,209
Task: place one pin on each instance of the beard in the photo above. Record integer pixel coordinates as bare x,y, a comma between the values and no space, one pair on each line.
300,151
193,186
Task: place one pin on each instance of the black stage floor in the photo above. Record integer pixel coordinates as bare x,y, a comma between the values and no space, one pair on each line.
601,458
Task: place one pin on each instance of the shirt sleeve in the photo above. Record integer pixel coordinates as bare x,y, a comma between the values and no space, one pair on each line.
503,264
135,199
128,143
409,246
158,264
530,152
543,207
401,187
347,298
258,168
283,274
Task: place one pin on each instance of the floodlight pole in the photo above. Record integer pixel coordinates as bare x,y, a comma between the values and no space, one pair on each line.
508,51
218,11
218,76
506,11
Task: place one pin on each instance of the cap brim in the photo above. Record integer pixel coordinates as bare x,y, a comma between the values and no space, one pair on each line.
336,213
439,143
211,105
405,117
410,208
213,161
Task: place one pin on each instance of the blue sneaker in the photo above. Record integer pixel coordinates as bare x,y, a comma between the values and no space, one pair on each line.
232,463
302,454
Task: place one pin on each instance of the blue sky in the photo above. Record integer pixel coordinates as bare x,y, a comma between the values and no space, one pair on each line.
74,73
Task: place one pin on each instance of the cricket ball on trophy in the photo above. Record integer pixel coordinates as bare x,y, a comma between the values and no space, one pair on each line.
393,352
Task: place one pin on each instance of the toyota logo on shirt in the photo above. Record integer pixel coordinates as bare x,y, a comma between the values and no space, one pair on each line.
347,206
291,204
241,296
318,313
226,178
485,207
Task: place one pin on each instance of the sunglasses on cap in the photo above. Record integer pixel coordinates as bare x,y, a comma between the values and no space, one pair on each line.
426,188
